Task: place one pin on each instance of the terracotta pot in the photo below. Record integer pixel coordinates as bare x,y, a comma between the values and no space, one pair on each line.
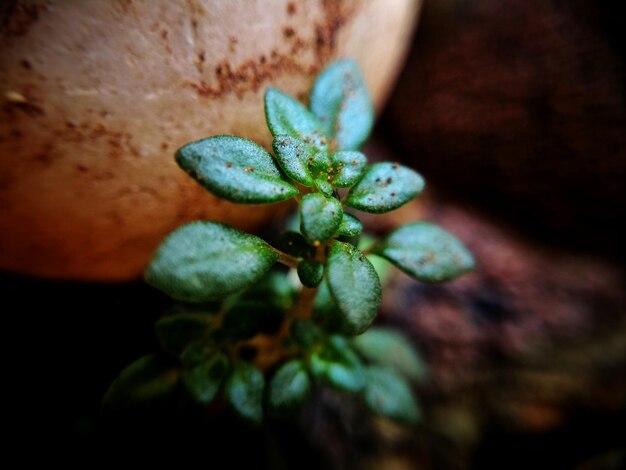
98,96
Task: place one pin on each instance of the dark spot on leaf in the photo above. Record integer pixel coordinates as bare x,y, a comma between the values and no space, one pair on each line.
395,166
229,165
393,194
249,169
389,180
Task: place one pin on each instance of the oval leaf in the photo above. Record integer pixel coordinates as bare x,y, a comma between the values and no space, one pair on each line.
305,332
426,252
354,285
340,100
286,116
246,318
235,169
244,392
390,349
385,187
337,365
206,260
324,186
389,395
320,217
144,381
204,380
347,168
350,226
310,272
295,157
289,387
325,310
174,332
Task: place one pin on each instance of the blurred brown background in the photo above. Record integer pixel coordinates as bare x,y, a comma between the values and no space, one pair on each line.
519,108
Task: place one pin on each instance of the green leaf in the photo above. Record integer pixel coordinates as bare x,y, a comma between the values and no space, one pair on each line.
341,101
388,394
235,169
244,392
197,352
338,365
174,332
320,217
350,226
310,272
354,285
204,380
144,381
324,186
289,387
274,289
390,349
426,252
305,332
201,261
295,157
295,244
385,187
286,116
347,168
247,318
326,311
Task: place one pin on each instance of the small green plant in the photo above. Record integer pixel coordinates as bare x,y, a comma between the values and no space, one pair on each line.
256,337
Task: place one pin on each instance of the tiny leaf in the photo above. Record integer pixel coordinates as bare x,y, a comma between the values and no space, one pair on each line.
388,394
201,261
347,168
235,169
338,365
295,157
390,349
350,226
354,285
146,380
310,272
320,217
324,186
244,392
426,252
385,187
204,380
247,318
289,387
174,332
286,116
341,101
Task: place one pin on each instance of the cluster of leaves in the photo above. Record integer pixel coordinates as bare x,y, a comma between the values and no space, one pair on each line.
319,324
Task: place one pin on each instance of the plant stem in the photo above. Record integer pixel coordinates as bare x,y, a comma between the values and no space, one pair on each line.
271,348
286,259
